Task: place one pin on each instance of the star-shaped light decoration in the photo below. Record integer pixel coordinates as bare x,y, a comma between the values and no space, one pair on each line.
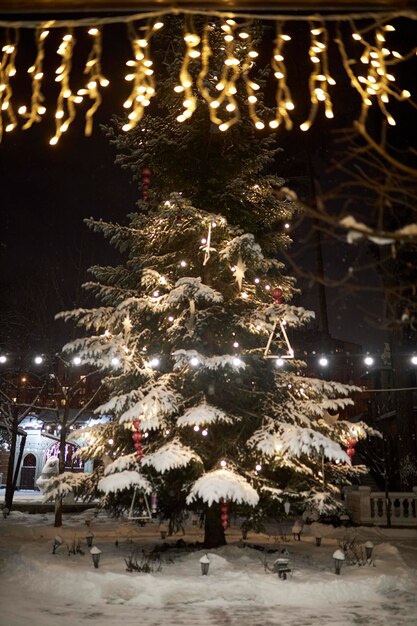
127,324
239,271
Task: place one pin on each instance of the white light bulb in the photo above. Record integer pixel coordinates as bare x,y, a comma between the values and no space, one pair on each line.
236,344
76,360
413,360
38,360
368,360
257,281
115,361
204,432
3,358
154,362
194,361
170,318
279,362
111,442
258,467
183,263
237,362
223,463
323,361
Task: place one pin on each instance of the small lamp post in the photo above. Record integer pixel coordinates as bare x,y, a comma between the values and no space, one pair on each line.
281,567
5,512
95,554
338,558
369,546
205,564
163,534
89,538
57,542
318,540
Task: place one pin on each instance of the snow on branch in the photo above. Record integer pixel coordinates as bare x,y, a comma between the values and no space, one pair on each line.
183,357
124,462
159,401
190,288
223,484
63,484
170,456
296,441
357,230
124,480
245,246
119,403
203,415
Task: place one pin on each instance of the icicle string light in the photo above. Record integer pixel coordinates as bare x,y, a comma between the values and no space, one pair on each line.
95,79
141,75
37,108
7,70
283,99
370,71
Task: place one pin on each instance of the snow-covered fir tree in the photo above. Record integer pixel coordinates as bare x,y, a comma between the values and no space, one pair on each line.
202,416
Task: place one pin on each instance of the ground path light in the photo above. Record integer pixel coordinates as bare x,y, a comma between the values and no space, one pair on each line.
338,558
205,564
95,554
318,540
369,546
89,538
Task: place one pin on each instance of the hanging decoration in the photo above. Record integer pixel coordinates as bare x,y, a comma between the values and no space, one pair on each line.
206,247
277,295
351,443
146,181
139,508
363,51
239,271
224,514
137,439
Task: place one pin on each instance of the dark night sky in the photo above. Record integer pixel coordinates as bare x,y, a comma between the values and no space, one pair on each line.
46,193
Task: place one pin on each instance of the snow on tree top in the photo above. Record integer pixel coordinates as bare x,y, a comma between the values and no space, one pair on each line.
160,401
170,456
223,484
202,415
124,480
126,461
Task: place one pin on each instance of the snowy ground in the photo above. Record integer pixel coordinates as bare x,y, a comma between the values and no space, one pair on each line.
43,589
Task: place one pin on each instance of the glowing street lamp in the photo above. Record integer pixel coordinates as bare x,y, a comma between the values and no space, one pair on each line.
368,360
323,361
38,360
413,360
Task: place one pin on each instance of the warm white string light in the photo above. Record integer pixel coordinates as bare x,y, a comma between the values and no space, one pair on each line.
371,75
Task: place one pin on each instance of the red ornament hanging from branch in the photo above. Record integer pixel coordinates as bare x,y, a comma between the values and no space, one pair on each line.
137,440
277,295
146,182
224,514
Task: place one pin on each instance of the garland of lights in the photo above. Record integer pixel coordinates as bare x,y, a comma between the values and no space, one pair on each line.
370,71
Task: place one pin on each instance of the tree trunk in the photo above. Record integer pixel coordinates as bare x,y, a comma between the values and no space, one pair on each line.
10,487
213,529
61,467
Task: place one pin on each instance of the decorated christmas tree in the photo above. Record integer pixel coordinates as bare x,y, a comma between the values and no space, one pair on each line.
211,411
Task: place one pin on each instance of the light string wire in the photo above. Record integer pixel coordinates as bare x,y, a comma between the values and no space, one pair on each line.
376,16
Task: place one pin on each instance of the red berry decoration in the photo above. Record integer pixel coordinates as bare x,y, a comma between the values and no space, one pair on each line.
277,294
137,439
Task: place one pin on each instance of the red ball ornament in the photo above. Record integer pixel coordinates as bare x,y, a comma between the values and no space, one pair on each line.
138,446
137,436
277,294
224,517
351,443
136,424
350,452
225,525
146,171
